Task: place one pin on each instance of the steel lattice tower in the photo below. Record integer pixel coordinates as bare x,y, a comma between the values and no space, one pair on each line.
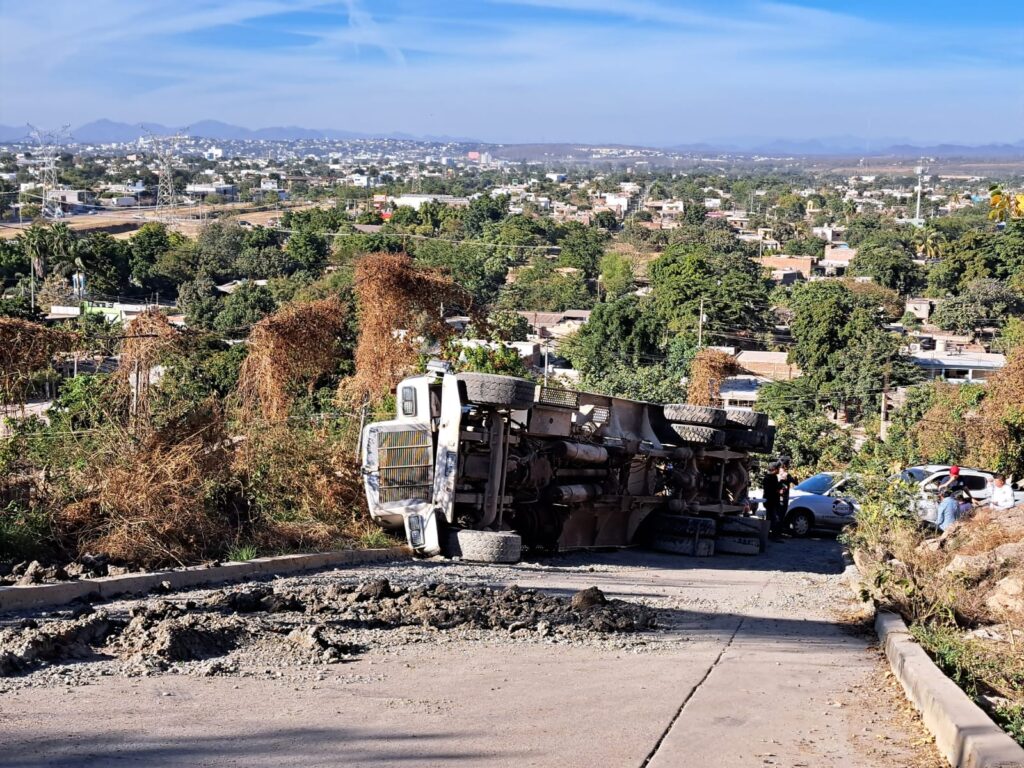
46,158
164,148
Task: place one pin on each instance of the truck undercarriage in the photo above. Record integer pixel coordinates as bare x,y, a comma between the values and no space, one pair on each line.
478,465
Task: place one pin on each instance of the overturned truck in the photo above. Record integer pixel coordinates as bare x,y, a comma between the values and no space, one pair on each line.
479,466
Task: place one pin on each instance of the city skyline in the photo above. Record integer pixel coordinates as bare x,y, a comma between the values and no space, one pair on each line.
650,73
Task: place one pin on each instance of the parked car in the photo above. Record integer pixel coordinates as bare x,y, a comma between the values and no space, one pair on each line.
928,477
820,502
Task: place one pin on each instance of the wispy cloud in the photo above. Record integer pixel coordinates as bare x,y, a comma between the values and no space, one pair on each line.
649,70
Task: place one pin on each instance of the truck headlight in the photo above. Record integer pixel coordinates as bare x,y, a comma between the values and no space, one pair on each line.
414,524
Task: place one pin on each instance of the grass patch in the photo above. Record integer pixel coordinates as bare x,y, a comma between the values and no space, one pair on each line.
980,669
24,533
241,553
375,538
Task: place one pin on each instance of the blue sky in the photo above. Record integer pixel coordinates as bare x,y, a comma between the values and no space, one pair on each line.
651,71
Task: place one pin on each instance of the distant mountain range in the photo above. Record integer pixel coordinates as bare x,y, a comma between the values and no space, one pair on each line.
109,131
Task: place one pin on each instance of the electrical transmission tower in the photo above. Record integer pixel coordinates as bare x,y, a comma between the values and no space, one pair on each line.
164,148
46,157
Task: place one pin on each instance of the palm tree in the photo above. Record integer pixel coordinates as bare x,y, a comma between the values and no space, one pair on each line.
934,244
35,244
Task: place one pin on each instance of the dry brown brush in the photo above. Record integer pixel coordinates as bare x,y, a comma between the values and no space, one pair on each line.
400,304
996,439
26,349
288,351
147,340
709,369
155,502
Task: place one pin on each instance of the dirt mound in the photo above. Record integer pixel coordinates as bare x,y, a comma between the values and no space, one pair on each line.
320,624
169,633
379,604
31,644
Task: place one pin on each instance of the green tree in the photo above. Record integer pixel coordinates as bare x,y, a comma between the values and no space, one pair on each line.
627,330
146,247
542,287
617,278
308,251
820,312
732,286
889,264
984,303
244,307
582,248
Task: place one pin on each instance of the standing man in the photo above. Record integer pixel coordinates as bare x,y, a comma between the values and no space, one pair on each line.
1002,494
773,500
786,479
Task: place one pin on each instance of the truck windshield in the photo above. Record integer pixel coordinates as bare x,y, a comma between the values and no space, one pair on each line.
818,484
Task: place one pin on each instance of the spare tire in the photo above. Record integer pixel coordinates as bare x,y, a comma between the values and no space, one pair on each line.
501,391
685,413
709,436
483,546
737,417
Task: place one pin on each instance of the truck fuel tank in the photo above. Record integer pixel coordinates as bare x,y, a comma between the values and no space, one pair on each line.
584,453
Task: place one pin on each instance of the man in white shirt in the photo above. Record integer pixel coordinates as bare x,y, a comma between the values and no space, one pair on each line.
1002,494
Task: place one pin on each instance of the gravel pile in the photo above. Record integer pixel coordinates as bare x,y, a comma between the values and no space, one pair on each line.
227,630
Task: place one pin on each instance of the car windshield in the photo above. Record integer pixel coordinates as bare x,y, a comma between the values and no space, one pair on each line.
817,483
913,475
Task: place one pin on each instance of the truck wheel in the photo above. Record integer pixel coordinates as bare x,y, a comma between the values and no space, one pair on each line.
700,435
683,545
737,545
484,546
501,391
685,413
769,439
735,417
748,439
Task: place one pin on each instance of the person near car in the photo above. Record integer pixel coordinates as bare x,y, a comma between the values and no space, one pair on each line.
773,500
786,480
954,483
949,510
1002,493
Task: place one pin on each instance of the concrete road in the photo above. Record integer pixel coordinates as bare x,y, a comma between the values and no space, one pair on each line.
755,668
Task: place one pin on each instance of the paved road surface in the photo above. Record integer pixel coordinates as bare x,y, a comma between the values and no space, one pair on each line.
756,668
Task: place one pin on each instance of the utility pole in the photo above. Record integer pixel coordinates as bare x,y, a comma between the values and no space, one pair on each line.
700,325
547,349
920,184
883,426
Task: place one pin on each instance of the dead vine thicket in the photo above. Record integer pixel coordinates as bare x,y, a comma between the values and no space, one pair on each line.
400,306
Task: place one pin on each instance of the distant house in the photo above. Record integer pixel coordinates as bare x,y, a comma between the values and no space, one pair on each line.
556,325
958,367
202,191
741,391
802,264
770,365
836,260
922,308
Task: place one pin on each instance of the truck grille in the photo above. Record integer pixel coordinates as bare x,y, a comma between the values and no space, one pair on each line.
406,466
555,396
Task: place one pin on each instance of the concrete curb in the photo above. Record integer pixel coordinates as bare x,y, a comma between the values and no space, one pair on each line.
41,595
963,733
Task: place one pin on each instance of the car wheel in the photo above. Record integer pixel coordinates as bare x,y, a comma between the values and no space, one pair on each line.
800,522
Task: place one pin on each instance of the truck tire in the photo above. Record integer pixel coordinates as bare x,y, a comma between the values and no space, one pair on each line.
684,413
735,417
737,545
748,440
769,439
682,535
714,438
483,546
502,391
745,527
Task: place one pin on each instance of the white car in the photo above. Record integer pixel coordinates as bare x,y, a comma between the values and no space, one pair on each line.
820,502
928,478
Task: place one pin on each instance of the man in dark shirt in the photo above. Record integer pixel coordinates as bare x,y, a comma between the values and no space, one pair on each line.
773,500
